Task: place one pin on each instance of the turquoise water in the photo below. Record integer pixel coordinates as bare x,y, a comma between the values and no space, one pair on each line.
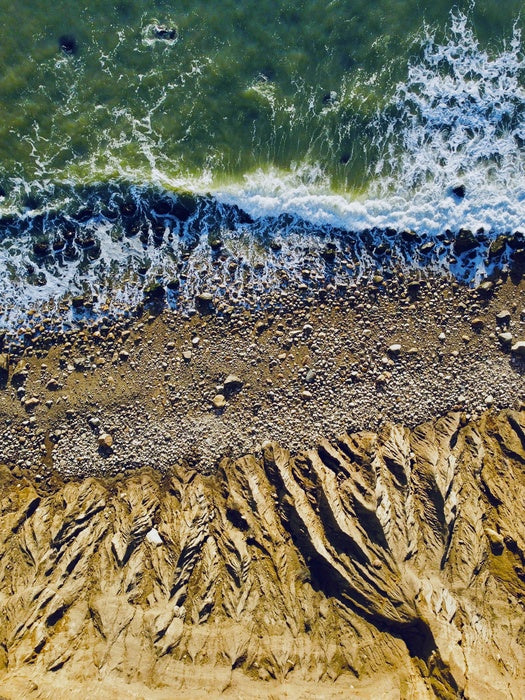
352,115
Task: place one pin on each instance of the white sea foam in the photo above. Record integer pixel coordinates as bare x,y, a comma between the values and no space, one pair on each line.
459,118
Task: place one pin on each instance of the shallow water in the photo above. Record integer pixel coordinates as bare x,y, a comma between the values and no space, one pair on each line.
350,116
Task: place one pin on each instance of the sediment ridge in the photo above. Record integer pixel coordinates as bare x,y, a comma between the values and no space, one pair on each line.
385,564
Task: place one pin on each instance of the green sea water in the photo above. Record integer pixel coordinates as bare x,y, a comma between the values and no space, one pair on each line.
245,85
209,146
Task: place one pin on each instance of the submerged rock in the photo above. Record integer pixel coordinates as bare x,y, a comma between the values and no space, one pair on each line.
459,191
165,32
67,43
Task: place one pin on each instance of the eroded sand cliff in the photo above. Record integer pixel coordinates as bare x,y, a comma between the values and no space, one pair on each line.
378,565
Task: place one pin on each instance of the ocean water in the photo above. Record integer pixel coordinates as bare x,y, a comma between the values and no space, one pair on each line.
135,136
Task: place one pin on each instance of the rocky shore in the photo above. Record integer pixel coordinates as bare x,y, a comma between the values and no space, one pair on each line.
167,387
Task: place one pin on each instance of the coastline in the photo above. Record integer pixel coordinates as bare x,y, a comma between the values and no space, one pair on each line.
307,366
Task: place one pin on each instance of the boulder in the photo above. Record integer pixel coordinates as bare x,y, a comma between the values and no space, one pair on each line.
505,339
465,241
486,288
154,292
503,318
68,44
459,191
19,373
165,33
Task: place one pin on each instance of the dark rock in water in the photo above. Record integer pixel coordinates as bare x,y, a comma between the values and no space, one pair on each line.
2,339
215,244
132,229
162,206
58,243
344,158
518,256
32,202
70,252
78,302
68,44
204,302
459,191
183,207
109,214
517,240
329,98
381,249
3,193
68,229
159,230
86,242
240,216
173,284
410,236
128,209
37,279
161,31
83,215
41,248
465,240
154,292
427,247
275,246
497,247
329,252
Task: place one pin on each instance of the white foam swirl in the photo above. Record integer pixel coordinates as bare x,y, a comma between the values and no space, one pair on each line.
458,118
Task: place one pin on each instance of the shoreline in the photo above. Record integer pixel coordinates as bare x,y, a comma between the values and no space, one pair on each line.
311,367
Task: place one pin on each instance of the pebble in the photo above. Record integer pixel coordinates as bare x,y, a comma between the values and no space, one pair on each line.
505,338
219,401
105,440
395,349
503,317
